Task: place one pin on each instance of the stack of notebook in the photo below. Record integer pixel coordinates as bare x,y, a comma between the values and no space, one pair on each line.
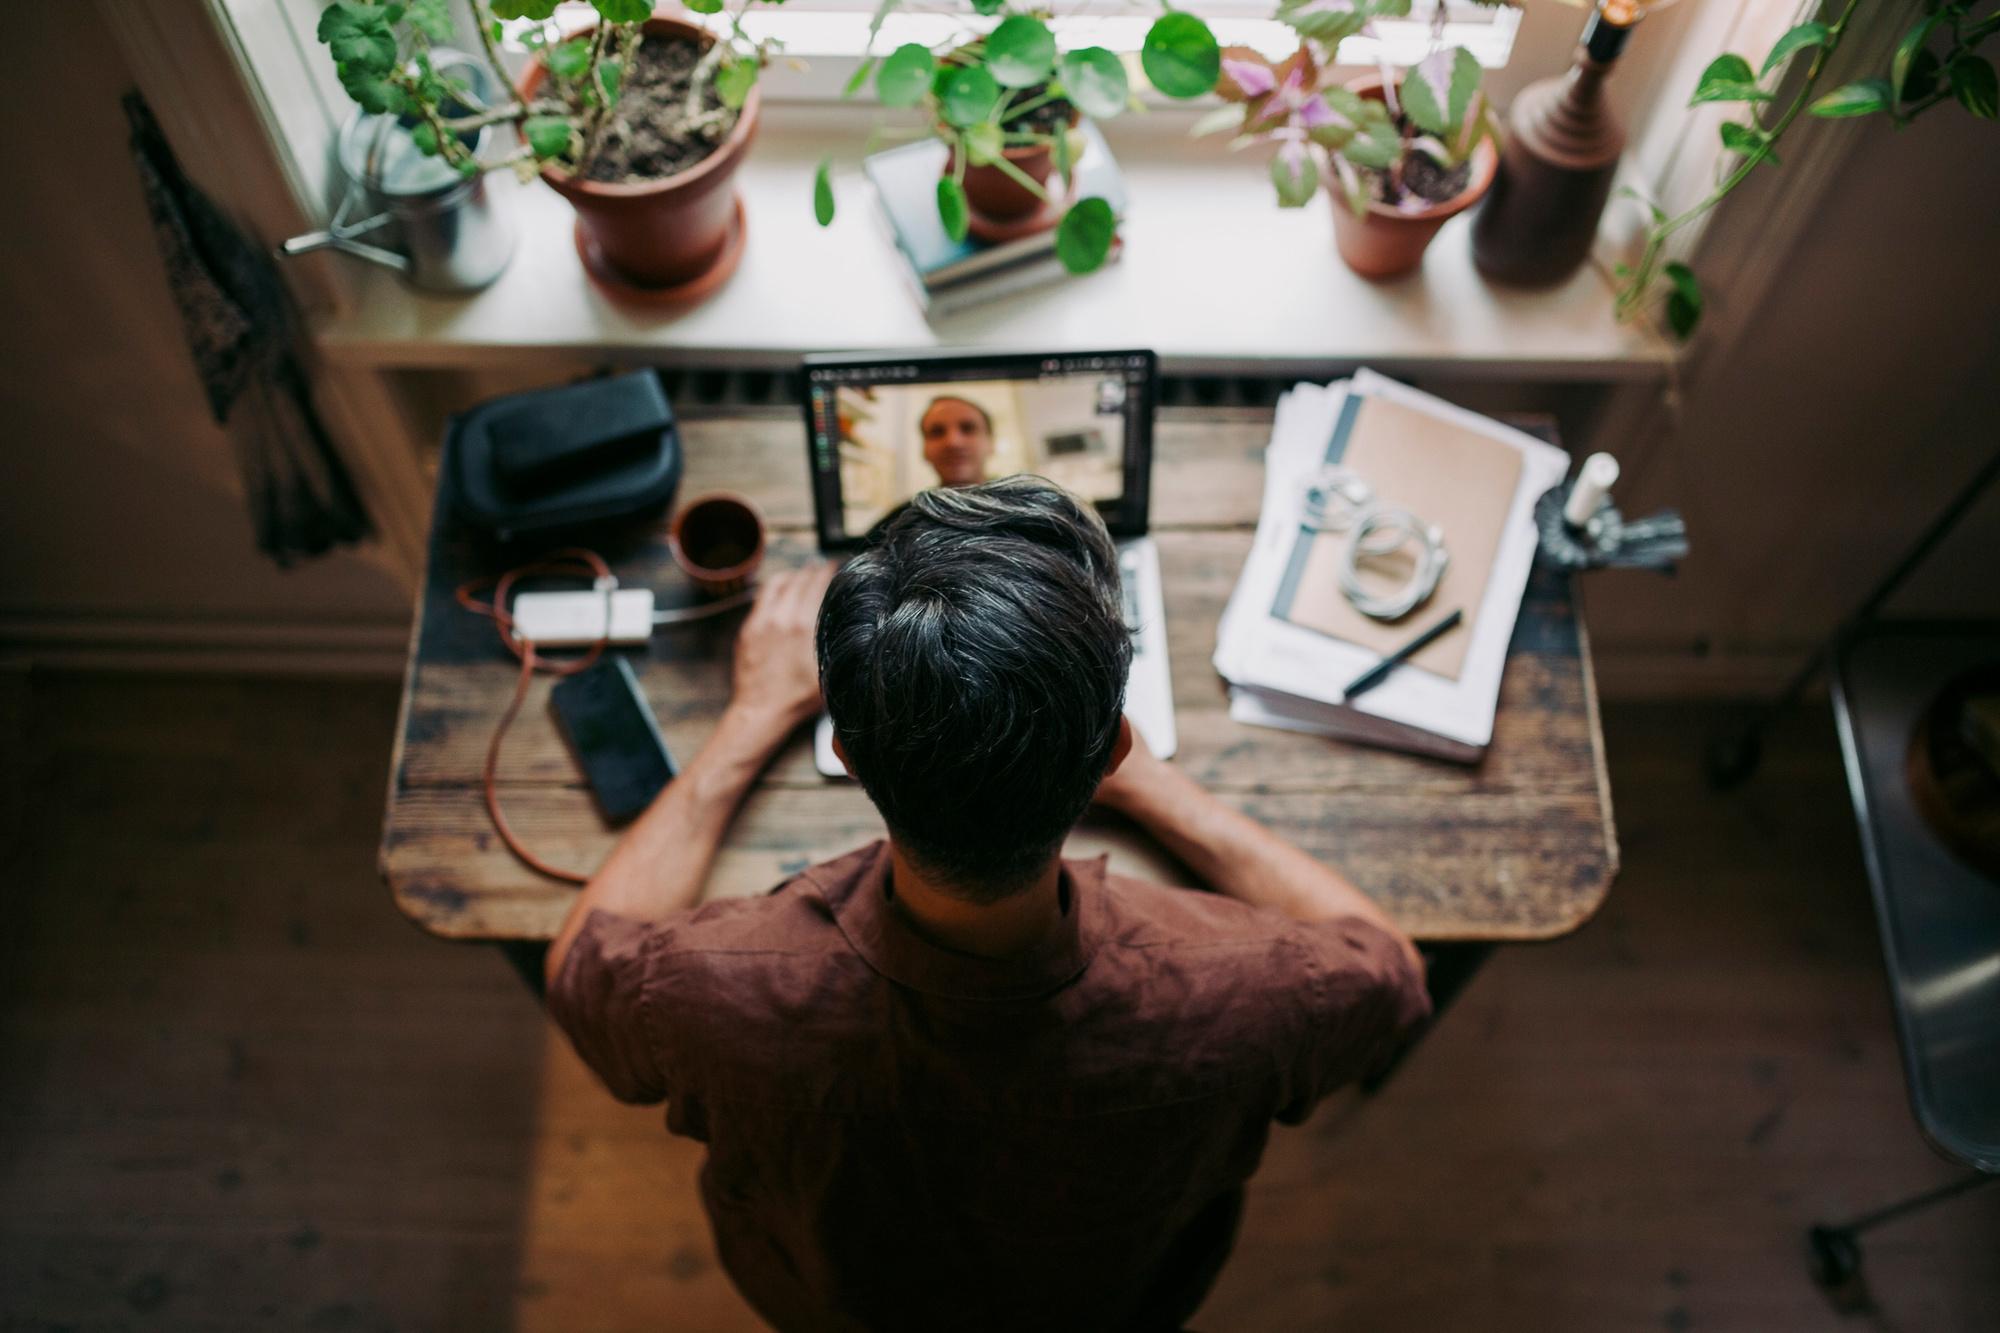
947,275
1290,640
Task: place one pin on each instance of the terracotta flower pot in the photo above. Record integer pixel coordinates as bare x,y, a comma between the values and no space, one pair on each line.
660,233
1389,242
993,194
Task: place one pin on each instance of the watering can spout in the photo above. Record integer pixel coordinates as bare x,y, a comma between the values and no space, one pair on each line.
347,245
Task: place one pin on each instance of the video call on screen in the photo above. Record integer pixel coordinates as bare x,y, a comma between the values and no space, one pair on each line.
902,429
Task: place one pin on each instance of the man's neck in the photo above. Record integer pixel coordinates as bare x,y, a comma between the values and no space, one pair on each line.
1002,929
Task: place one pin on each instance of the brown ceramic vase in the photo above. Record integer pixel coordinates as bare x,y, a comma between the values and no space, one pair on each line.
1389,242
660,233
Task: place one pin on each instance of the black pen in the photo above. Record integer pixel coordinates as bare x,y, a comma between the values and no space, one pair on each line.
1378,673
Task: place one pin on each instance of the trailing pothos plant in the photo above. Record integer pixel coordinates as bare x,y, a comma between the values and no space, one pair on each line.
382,52
984,93
1408,150
1934,62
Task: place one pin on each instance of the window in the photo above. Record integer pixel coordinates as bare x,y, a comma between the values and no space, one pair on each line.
831,36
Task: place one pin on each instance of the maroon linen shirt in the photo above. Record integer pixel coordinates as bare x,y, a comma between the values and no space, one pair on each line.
901,1136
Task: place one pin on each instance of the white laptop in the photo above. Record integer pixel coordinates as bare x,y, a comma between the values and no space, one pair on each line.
880,428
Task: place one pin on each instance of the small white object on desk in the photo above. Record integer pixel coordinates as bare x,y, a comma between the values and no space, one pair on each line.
1593,482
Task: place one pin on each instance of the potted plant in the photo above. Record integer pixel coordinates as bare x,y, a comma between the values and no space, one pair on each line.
1006,103
1409,149
640,121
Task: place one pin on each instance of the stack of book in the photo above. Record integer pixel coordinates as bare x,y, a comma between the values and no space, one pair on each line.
1291,640
947,275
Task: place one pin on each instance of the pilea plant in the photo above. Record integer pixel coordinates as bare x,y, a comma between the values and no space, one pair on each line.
1408,150
1002,97
382,51
1934,62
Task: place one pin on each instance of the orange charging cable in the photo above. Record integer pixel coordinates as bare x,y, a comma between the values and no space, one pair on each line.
573,562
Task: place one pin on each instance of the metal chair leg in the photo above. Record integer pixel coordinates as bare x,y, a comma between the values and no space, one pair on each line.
1833,1252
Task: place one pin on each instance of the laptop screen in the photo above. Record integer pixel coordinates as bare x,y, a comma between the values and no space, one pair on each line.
878,430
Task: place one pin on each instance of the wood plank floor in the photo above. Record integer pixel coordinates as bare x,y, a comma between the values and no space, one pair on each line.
238,1091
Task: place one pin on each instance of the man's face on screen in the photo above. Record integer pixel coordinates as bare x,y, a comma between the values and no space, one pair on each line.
957,442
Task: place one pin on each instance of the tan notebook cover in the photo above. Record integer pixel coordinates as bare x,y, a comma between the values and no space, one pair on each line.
1446,475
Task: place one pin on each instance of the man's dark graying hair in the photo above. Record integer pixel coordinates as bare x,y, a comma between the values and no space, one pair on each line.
974,661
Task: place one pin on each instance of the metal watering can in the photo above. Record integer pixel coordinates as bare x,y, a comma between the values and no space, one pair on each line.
437,228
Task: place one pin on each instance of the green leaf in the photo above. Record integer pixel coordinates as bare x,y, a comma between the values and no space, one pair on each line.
860,75
1021,52
1747,140
905,75
425,138
624,11
523,9
1860,98
823,192
989,7
1180,55
1438,90
1084,236
1922,80
359,36
704,6
1684,302
610,74
1297,178
1728,78
1376,147
967,94
1906,55
432,18
734,79
1798,39
548,136
1228,116
569,60
371,91
1973,84
1094,81
951,208
1328,22
982,143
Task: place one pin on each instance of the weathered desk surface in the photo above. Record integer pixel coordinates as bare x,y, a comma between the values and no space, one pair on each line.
1520,847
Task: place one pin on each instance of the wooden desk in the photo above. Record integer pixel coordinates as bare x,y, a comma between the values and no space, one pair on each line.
1519,848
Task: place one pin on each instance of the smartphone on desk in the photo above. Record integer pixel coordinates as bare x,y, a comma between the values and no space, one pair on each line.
611,731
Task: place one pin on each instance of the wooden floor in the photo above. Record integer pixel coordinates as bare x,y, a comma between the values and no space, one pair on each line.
237,1091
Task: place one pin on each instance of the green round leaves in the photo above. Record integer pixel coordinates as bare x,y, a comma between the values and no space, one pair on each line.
1021,52
966,94
624,11
905,75
1084,236
1181,56
1094,81
952,210
548,136
823,192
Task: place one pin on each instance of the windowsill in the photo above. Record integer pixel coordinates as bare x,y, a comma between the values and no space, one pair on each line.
1215,277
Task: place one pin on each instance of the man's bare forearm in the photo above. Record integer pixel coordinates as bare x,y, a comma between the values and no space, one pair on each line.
661,864
1236,855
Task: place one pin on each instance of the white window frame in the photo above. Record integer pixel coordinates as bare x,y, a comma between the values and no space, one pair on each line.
825,41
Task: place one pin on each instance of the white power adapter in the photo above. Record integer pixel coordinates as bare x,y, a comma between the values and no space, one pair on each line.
577,619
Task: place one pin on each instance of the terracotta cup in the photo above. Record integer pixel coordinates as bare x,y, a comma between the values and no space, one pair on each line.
718,541
1388,242
660,233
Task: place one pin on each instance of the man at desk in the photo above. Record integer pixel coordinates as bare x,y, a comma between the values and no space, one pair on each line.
951,1080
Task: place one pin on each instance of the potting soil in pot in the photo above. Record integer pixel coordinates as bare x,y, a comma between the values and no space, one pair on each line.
650,135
